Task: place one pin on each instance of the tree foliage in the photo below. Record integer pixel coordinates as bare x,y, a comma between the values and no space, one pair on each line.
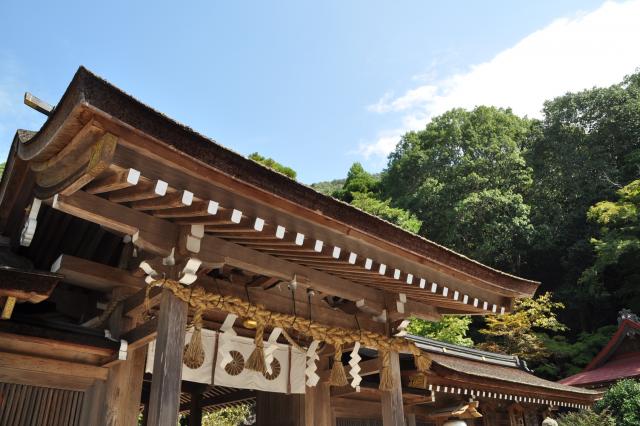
519,332
555,200
362,190
450,329
273,164
328,187
229,416
586,418
622,400
464,177
587,146
570,357
615,273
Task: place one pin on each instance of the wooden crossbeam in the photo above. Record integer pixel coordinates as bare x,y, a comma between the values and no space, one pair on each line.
274,301
93,275
169,201
149,233
144,190
196,209
113,181
264,264
26,369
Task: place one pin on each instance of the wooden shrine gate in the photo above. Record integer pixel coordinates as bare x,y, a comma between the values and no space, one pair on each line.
151,229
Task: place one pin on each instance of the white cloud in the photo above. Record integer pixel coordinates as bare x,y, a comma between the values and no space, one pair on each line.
593,49
384,144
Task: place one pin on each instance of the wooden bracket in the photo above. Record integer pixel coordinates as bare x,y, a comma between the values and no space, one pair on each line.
30,223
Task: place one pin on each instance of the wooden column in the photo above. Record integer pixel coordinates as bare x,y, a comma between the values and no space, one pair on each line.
164,400
93,404
392,408
123,389
317,407
195,411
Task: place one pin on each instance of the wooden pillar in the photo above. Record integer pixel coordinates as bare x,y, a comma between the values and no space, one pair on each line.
317,407
195,410
123,389
164,400
93,405
392,407
120,403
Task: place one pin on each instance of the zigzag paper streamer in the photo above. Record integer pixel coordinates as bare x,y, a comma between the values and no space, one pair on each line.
312,357
227,331
355,366
271,348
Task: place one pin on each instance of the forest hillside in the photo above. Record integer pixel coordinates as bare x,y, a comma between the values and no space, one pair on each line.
555,200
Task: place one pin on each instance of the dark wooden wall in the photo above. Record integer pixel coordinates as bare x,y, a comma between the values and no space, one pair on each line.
275,409
23,405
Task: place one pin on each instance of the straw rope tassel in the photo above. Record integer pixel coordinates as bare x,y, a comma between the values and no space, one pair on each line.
193,355
198,298
338,376
256,359
422,362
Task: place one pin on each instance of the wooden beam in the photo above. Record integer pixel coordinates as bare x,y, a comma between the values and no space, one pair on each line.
273,301
264,264
29,286
37,371
94,275
113,181
155,235
158,236
391,401
197,208
68,171
51,366
168,201
37,104
144,190
164,401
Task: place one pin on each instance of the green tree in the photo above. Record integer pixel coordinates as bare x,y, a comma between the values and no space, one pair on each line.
358,181
586,418
328,187
622,400
519,332
464,177
273,164
587,146
616,271
383,210
450,329
567,357
228,416
361,189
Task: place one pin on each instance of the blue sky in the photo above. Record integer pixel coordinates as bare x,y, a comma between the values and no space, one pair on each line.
315,85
